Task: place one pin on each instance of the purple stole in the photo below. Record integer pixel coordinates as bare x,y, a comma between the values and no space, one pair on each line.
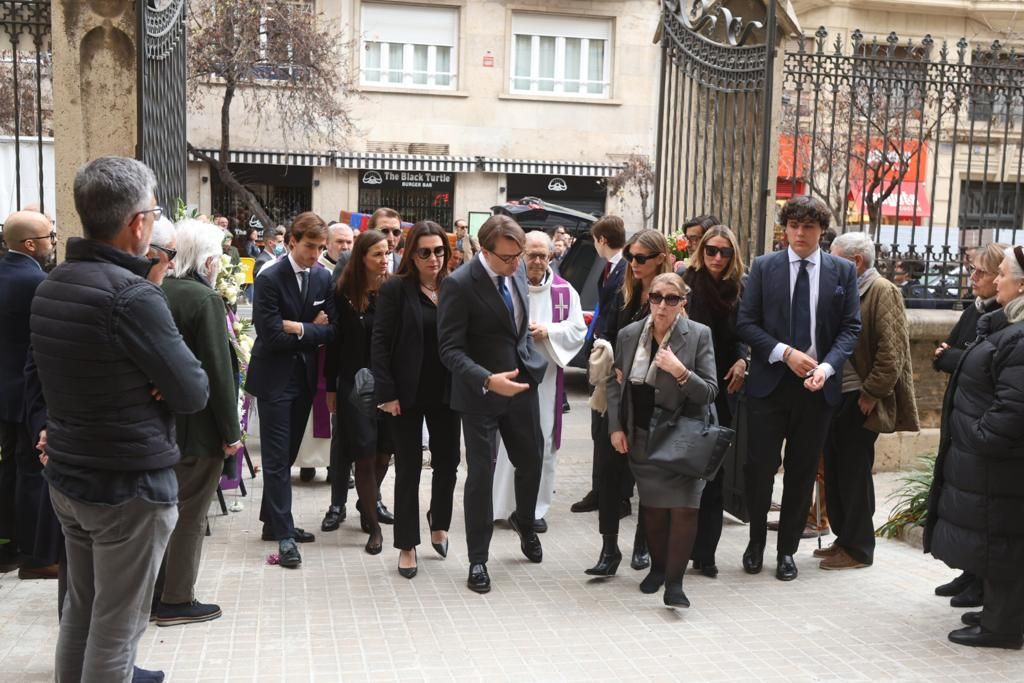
560,300
321,416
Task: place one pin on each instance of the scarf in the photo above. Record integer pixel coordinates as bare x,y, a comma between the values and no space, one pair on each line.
710,300
865,280
643,370
983,304
1015,310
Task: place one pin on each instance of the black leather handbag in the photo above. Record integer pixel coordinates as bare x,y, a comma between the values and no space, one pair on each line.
694,448
362,396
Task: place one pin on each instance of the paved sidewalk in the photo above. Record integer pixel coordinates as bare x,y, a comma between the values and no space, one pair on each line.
347,616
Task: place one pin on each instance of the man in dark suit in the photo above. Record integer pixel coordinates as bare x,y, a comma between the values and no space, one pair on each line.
484,339
273,247
292,309
609,235
30,239
798,346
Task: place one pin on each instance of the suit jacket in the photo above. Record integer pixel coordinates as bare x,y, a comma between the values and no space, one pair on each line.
201,318
606,295
691,343
763,319
262,259
276,299
19,277
477,338
396,354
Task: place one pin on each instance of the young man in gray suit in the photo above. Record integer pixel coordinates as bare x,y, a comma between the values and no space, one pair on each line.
483,330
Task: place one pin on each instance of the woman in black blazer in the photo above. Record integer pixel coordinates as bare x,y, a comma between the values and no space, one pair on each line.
412,385
358,439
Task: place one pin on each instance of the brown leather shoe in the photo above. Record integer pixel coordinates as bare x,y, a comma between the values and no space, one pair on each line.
829,551
841,560
44,572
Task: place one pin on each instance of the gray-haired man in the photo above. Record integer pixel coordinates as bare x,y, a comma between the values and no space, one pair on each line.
114,371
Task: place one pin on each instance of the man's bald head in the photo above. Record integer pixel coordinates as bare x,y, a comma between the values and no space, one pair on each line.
28,232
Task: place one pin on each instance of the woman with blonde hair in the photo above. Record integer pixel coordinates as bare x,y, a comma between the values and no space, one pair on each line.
646,254
662,362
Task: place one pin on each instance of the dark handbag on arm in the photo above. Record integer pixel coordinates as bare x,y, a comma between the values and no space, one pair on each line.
362,397
684,445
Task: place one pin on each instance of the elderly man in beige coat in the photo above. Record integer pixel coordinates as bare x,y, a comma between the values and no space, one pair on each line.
878,397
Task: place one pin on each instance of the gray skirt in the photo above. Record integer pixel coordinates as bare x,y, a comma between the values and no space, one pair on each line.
659,487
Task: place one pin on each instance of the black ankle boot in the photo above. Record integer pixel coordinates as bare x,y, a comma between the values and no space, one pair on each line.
641,555
674,595
608,561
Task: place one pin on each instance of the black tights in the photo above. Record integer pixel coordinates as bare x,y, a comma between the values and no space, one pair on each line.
369,475
670,536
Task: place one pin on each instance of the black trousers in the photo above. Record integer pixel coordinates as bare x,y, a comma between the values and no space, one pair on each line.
712,501
849,486
8,481
341,463
519,427
801,419
282,422
1003,611
443,425
614,480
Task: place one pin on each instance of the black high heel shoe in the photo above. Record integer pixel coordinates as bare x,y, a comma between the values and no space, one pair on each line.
408,572
375,544
609,559
440,548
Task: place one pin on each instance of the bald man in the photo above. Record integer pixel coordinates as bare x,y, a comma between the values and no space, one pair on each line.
30,239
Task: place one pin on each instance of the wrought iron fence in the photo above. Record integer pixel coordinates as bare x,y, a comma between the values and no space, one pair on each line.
26,104
917,143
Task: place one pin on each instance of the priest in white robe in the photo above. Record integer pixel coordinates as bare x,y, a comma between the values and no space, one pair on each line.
556,323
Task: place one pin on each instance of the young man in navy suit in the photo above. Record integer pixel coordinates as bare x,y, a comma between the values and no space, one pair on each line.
293,306
798,345
30,238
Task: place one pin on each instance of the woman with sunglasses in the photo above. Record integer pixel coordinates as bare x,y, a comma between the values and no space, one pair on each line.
358,438
715,281
646,254
412,385
662,362
966,589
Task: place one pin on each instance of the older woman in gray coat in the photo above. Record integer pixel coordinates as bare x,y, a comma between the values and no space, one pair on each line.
662,362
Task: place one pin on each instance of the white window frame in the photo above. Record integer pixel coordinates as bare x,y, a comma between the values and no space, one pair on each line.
407,68
559,79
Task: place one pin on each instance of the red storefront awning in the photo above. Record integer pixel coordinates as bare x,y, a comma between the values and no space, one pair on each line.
906,203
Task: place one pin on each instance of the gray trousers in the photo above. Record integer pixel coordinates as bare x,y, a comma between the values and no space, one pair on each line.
197,483
113,554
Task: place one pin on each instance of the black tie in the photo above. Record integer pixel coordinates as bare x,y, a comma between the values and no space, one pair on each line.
304,290
800,315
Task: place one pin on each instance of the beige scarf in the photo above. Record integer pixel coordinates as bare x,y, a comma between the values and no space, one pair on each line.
643,370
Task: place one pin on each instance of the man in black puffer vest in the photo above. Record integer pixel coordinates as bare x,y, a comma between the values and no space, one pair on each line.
114,372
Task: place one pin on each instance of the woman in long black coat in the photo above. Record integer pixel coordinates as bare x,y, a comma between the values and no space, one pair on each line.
976,509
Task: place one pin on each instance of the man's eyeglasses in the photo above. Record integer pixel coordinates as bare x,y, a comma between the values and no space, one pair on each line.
52,236
725,252
423,253
538,256
669,299
639,258
506,259
170,253
157,212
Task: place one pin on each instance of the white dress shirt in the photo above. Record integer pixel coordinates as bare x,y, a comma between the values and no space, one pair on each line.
517,306
813,278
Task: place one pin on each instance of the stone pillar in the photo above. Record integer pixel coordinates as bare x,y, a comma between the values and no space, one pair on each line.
94,91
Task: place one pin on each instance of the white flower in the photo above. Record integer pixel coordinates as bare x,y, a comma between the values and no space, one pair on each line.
238,327
225,261
240,278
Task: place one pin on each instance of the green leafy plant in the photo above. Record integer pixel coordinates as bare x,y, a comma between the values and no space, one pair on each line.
910,500
181,211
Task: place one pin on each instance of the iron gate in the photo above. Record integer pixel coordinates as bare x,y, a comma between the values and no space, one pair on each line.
918,143
713,119
161,86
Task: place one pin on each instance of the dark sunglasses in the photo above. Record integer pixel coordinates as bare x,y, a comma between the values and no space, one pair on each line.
725,252
639,258
423,253
394,232
170,253
670,299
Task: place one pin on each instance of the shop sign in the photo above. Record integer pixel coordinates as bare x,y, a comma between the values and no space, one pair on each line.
406,180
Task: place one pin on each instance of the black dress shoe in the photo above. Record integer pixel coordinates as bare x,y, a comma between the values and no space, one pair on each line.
709,570
307,474
288,554
653,582
479,580
333,519
753,558
384,515
540,526
586,504
785,570
440,548
528,541
407,572
956,586
972,596
977,636
625,508
971,618
300,535
674,595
